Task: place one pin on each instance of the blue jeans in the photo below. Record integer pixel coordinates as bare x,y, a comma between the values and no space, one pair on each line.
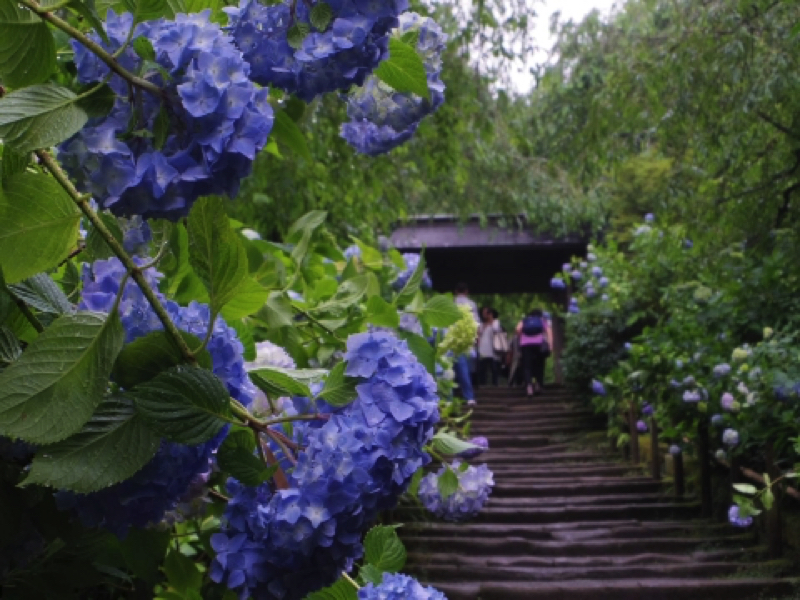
463,379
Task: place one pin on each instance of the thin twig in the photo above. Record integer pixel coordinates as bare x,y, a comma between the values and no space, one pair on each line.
135,271
92,46
273,435
215,494
350,580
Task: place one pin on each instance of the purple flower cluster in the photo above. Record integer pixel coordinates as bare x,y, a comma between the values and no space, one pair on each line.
353,465
736,520
474,486
380,117
164,481
343,54
557,283
411,260
214,120
598,388
397,586
641,426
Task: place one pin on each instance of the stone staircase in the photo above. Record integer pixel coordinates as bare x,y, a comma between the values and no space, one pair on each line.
565,523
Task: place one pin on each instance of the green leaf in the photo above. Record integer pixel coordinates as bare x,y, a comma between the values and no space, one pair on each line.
43,294
96,246
419,346
27,48
413,487
404,70
87,9
49,393
745,488
148,10
236,458
349,293
371,257
144,551
447,483
297,33
286,131
768,499
245,334
411,287
450,444
182,572
277,383
97,100
339,390
381,313
111,447
147,357
38,225
295,108
321,16
161,128
13,163
185,404
10,349
311,220
277,312
384,550
441,311
411,38
39,116
144,48
249,299
341,590
215,251
370,574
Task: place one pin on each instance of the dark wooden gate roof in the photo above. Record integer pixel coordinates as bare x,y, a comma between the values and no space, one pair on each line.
503,256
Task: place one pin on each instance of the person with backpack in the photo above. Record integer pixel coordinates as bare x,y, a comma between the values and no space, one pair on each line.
535,341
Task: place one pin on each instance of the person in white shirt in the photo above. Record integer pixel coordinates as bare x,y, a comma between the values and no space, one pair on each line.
486,353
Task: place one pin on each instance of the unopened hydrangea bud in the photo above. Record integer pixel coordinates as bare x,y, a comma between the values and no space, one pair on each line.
740,354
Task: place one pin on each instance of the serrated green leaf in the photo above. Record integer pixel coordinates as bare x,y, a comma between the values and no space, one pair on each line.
297,33
419,346
148,10
404,70
10,349
87,9
249,299
411,38
411,287
371,257
184,404
236,458
245,335
215,252
27,48
97,100
12,163
110,448
38,225
53,389
339,390
384,550
311,220
277,383
147,357
43,294
349,293
381,313
277,312
287,133
370,574
39,116
144,48
447,484
321,16
341,590
449,444
441,311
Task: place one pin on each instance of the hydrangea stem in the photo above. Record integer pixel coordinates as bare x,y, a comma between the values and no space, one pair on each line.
350,580
24,309
135,271
46,15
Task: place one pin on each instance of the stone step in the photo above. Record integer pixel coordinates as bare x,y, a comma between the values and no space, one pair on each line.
534,488
595,500
463,573
543,457
575,474
603,547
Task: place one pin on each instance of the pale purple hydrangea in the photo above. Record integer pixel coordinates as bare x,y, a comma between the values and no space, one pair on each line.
474,486
396,586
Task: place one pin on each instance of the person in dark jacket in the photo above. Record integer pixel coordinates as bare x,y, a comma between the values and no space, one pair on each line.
535,340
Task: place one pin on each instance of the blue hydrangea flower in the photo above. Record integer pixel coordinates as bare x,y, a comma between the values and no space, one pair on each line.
598,388
164,481
674,450
566,267
344,54
474,486
736,520
649,218
136,235
730,437
716,419
352,465
727,401
576,275
627,346
597,271
353,251
557,283
722,370
217,120
688,244
483,446
641,426
692,396
603,282
410,322
380,117
396,586
647,410
411,260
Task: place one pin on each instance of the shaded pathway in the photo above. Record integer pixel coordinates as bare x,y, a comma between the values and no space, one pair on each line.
564,524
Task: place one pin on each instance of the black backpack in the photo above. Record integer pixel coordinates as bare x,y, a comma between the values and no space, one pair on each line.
532,326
